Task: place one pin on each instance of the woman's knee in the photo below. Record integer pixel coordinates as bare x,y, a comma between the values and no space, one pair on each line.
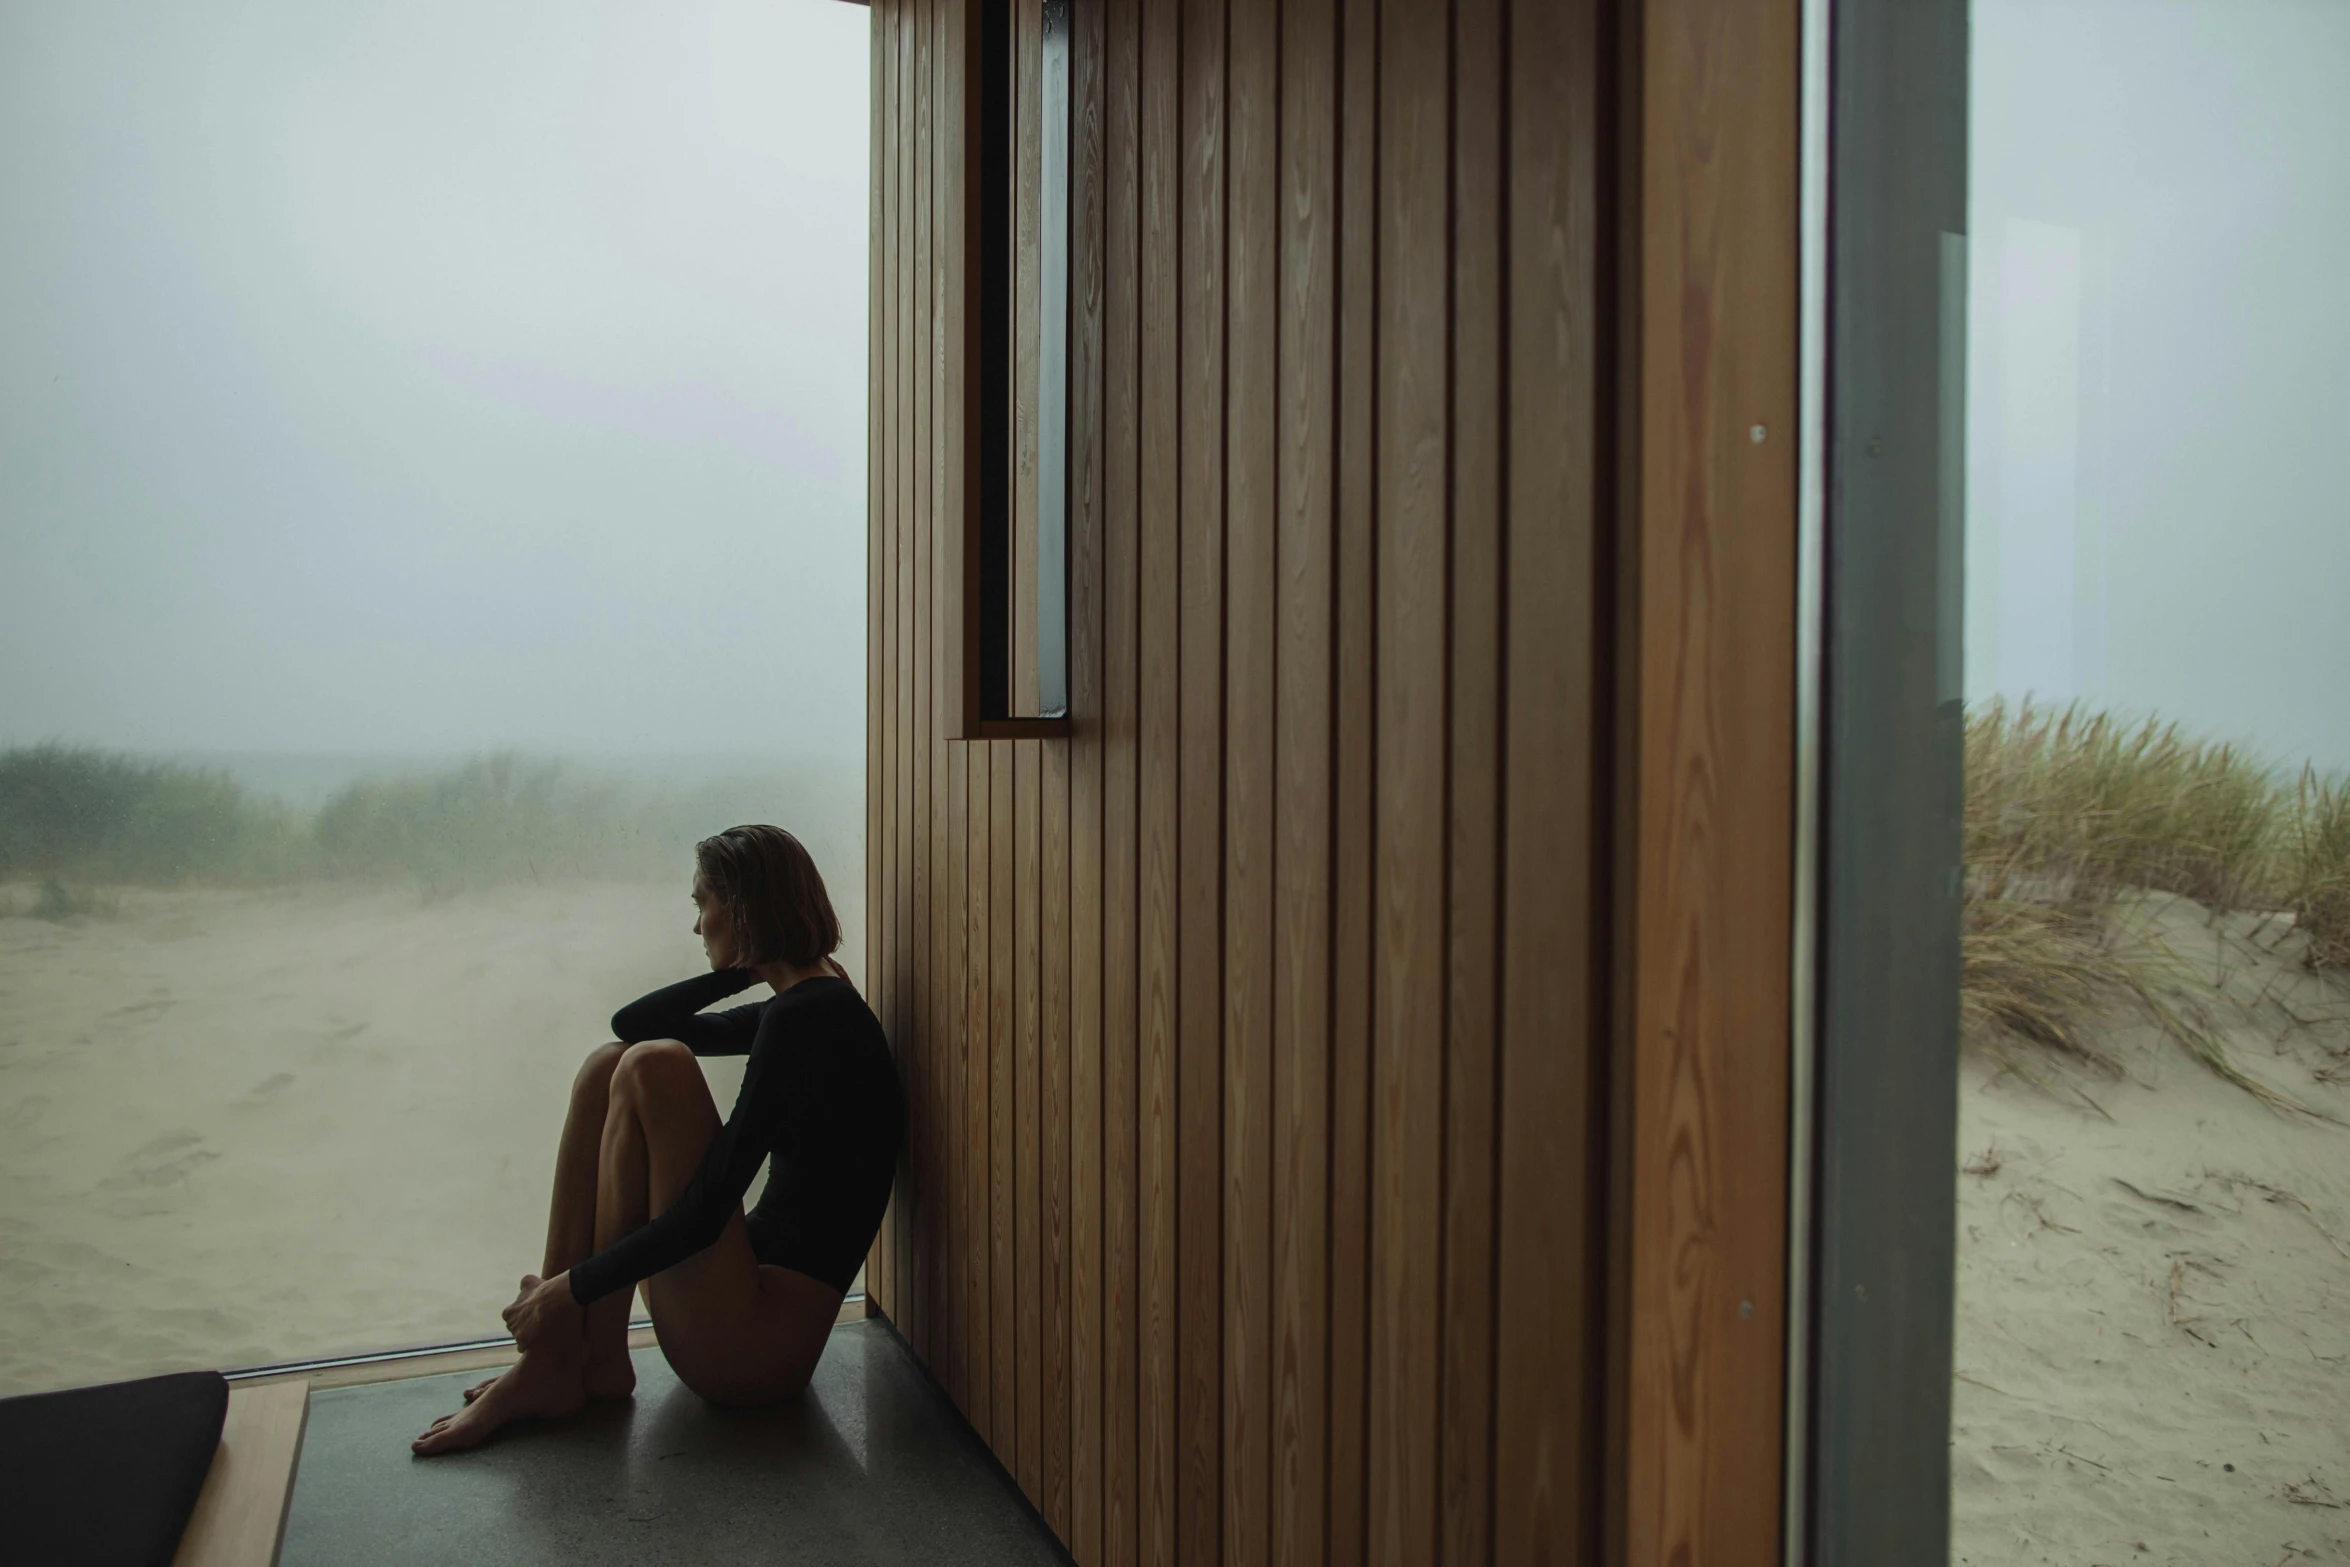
649,1061
595,1073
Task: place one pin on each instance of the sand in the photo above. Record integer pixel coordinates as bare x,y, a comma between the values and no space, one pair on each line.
2153,1315
239,1128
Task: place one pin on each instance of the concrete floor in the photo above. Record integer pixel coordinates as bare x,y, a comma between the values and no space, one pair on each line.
871,1466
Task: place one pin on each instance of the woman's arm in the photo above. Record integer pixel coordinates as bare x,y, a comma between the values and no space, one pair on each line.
675,1012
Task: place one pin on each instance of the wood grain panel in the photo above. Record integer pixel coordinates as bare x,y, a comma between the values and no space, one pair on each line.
1407,1015
1353,730
979,1086
1327,1058
1122,1034
951,1335
1473,856
1160,621
1305,493
1252,585
1028,758
922,1139
1027,1133
1552,1040
1086,1184
1053,1143
1199,937
1053,1105
1003,1048
905,971
1716,645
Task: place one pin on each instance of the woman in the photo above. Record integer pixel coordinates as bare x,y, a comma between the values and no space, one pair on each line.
649,1183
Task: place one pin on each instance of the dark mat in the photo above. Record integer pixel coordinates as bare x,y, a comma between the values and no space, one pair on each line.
106,1476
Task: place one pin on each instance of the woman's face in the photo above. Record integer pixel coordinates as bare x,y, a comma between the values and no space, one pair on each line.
713,926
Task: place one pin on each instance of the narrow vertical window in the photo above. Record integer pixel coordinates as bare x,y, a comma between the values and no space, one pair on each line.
1052,374
1013,641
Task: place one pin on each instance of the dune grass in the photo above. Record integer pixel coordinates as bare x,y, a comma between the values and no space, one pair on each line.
2320,867
75,813
2070,810
2077,805
73,819
503,817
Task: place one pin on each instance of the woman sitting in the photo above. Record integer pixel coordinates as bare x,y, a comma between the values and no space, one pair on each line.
649,1182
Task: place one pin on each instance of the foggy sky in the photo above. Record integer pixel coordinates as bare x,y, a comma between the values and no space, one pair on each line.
432,376
2156,509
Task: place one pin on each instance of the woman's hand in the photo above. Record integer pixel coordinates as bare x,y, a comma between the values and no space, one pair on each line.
544,1316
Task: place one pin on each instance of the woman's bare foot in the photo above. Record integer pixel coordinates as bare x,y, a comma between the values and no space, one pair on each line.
536,1387
602,1379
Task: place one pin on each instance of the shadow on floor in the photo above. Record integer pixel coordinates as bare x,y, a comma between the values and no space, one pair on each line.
872,1465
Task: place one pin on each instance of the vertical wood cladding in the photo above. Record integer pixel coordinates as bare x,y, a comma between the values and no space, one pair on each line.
1344,1072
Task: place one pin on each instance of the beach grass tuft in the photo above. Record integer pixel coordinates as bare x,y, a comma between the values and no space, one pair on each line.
2069,811
2320,861
2076,805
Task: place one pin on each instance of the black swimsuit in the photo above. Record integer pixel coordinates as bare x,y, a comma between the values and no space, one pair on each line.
819,1095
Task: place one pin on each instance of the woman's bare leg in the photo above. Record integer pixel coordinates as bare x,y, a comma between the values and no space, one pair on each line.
733,1330
572,1230
571,1225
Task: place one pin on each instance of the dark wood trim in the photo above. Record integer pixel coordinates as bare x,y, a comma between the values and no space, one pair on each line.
1020,729
960,631
975,640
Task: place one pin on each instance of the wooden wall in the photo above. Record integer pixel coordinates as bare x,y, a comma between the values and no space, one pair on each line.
1337,1072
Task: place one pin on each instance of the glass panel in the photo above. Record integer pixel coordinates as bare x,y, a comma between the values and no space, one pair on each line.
1052,376
431,497
2152,1353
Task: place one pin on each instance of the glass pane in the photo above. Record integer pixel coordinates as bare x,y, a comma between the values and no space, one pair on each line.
431,498
2152,1346
1052,368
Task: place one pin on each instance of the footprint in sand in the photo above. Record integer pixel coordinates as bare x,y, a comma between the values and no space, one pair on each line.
164,1162
267,1089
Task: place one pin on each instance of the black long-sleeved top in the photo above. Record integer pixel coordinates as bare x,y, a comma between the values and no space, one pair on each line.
820,1097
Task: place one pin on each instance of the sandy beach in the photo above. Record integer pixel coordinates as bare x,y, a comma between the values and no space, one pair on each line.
2153,1319
246,1127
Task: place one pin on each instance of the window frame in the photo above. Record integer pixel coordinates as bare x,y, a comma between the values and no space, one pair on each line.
977,644
1875,1150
